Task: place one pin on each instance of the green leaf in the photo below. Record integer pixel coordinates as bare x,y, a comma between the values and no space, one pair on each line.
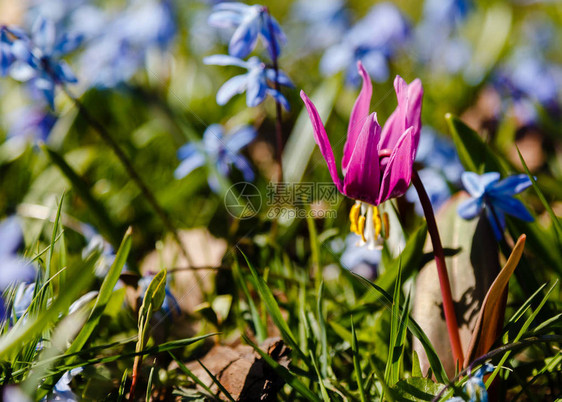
155,293
417,389
474,154
357,363
102,300
435,363
79,185
273,309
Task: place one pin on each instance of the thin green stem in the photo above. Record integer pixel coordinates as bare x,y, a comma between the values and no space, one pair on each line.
130,169
448,305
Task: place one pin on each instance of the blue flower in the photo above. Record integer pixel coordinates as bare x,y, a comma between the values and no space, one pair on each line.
62,390
496,197
437,40
442,167
256,82
36,59
529,79
117,54
219,149
250,22
436,187
33,123
373,40
13,268
363,261
325,22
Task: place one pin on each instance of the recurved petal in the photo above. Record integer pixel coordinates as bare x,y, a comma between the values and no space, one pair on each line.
322,140
398,171
244,39
362,179
240,138
511,185
469,209
234,86
513,207
476,184
189,164
358,115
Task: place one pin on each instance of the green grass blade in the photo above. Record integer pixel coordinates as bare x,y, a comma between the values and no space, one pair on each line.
274,310
357,363
323,332
545,203
415,329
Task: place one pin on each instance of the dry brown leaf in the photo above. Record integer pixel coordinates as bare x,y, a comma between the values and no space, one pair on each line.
242,372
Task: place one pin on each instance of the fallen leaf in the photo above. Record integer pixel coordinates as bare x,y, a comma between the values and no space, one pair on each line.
242,372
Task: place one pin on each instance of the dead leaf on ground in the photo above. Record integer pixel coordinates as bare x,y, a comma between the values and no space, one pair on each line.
242,372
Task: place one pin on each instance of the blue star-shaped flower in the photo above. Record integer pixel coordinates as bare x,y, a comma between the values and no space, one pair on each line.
36,59
496,197
250,23
256,82
219,149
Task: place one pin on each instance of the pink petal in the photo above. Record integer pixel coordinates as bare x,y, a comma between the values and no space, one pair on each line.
407,113
358,115
322,140
398,171
361,182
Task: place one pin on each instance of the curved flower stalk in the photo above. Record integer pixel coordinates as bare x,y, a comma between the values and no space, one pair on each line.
495,197
377,163
219,149
256,82
250,22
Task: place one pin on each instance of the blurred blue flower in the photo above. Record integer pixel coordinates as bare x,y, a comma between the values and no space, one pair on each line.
13,268
475,387
219,149
496,197
436,187
250,22
256,82
438,152
96,242
374,40
325,22
37,59
33,123
528,78
117,53
22,299
437,41
363,261
442,168
62,390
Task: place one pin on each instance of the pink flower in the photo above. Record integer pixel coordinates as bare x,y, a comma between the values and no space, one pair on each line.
377,163
368,175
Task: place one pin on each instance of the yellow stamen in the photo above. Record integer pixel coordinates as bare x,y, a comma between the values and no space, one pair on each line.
354,216
386,225
377,222
361,227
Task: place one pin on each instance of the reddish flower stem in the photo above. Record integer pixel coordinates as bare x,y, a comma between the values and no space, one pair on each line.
448,306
